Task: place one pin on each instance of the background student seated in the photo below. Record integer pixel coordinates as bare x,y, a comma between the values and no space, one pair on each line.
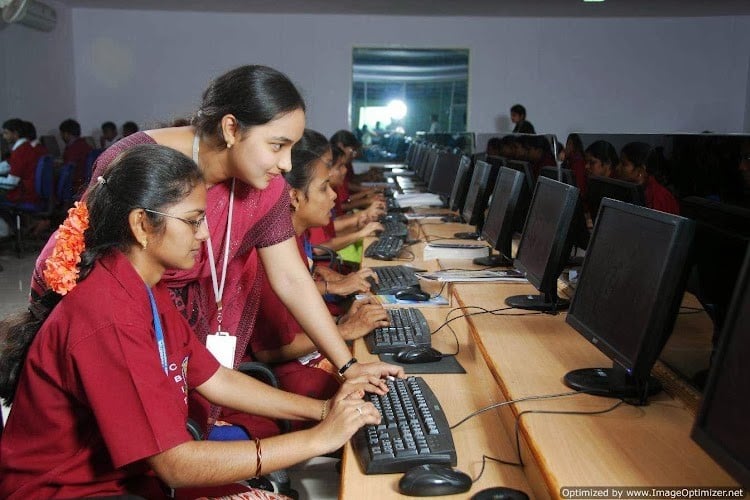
632,167
76,150
18,173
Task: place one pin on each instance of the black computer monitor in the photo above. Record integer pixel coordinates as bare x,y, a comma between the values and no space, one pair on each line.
721,425
428,165
628,295
461,184
482,183
563,174
498,227
545,244
722,234
598,188
444,174
579,231
529,185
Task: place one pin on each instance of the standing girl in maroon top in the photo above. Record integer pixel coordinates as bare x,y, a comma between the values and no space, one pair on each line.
241,139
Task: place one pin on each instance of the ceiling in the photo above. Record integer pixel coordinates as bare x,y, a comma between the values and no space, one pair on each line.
531,8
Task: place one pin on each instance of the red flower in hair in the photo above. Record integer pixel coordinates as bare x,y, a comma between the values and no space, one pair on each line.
61,268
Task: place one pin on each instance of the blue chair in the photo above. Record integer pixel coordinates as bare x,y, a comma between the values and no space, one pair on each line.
90,159
64,192
44,185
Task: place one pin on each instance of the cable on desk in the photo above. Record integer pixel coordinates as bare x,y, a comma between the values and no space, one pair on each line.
690,310
498,460
406,250
494,312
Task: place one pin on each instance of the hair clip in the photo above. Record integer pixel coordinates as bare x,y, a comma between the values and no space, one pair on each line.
101,180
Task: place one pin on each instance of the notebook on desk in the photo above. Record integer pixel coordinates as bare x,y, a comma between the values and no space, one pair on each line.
467,276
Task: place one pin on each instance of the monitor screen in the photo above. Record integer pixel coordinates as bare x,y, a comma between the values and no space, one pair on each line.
482,182
722,233
580,232
428,165
629,293
498,227
444,174
605,187
461,184
552,173
721,425
545,246
525,169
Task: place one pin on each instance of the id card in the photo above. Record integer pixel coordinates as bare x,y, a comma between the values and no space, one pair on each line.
222,346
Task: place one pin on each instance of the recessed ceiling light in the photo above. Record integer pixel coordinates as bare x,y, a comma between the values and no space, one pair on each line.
587,1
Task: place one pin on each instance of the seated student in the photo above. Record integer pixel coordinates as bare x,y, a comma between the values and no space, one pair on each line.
575,161
494,147
538,153
633,161
99,395
18,173
518,117
109,135
129,128
345,229
601,159
76,150
350,193
278,338
508,147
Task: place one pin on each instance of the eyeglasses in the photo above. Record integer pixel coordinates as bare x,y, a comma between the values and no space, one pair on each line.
194,223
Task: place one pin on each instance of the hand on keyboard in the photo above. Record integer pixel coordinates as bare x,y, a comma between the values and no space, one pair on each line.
362,318
359,282
370,229
348,413
377,373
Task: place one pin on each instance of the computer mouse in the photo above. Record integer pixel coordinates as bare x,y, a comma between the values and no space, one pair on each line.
420,354
413,294
433,479
500,493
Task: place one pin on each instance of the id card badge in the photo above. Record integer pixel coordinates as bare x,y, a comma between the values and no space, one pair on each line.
222,346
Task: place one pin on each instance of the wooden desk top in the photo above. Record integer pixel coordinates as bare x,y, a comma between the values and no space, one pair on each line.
630,446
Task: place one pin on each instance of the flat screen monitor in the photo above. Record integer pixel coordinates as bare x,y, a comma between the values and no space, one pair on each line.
628,295
528,190
444,174
598,188
721,425
722,233
482,183
545,244
498,227
428,165
580,233
461,184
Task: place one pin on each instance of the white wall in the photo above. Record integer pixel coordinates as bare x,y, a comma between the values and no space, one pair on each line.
614,75
37,72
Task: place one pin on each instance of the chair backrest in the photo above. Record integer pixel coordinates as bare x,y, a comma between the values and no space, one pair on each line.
44,182
65,193
90,159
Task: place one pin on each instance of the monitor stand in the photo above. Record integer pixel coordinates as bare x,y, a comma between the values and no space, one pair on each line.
466,236
612,382
451,218
545,302
493,260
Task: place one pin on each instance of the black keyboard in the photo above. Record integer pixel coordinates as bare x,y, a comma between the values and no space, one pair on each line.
395,228
385,248
392,205
393,279
413,431
408,328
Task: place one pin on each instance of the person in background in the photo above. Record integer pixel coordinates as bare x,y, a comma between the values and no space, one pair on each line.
18,172
601,159
632,168
99,395
278,338
434,124
575,161
129,128
518,117
494,147
350,193
109,135
538,153
76,150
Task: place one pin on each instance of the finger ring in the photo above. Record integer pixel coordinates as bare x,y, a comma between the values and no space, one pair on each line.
359,410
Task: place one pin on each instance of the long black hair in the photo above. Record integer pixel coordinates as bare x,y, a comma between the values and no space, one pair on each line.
145,176
305,152
255,95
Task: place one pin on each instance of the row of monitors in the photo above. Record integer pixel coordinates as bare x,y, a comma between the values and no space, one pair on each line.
629,291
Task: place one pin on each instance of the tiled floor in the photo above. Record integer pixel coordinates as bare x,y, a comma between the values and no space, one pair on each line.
315,479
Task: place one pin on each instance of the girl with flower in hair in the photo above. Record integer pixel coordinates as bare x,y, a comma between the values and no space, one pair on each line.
241,139
100,368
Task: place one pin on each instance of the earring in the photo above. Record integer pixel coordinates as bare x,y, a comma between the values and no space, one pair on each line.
144,243
229,145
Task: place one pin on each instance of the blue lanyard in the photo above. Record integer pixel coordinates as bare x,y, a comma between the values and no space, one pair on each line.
159,332
308,247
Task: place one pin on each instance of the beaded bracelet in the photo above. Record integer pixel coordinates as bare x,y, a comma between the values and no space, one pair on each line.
258,458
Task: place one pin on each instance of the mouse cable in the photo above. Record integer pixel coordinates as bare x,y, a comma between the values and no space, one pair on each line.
406,250
482,310
498,460
512,401
557,412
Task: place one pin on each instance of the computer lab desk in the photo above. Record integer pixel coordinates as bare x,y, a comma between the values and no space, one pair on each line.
459,395
510,357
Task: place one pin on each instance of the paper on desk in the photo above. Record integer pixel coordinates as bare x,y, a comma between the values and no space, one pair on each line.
510,275
391,300
419,200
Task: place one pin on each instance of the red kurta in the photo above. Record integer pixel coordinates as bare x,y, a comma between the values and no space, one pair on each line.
659,198
23,162
76,152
